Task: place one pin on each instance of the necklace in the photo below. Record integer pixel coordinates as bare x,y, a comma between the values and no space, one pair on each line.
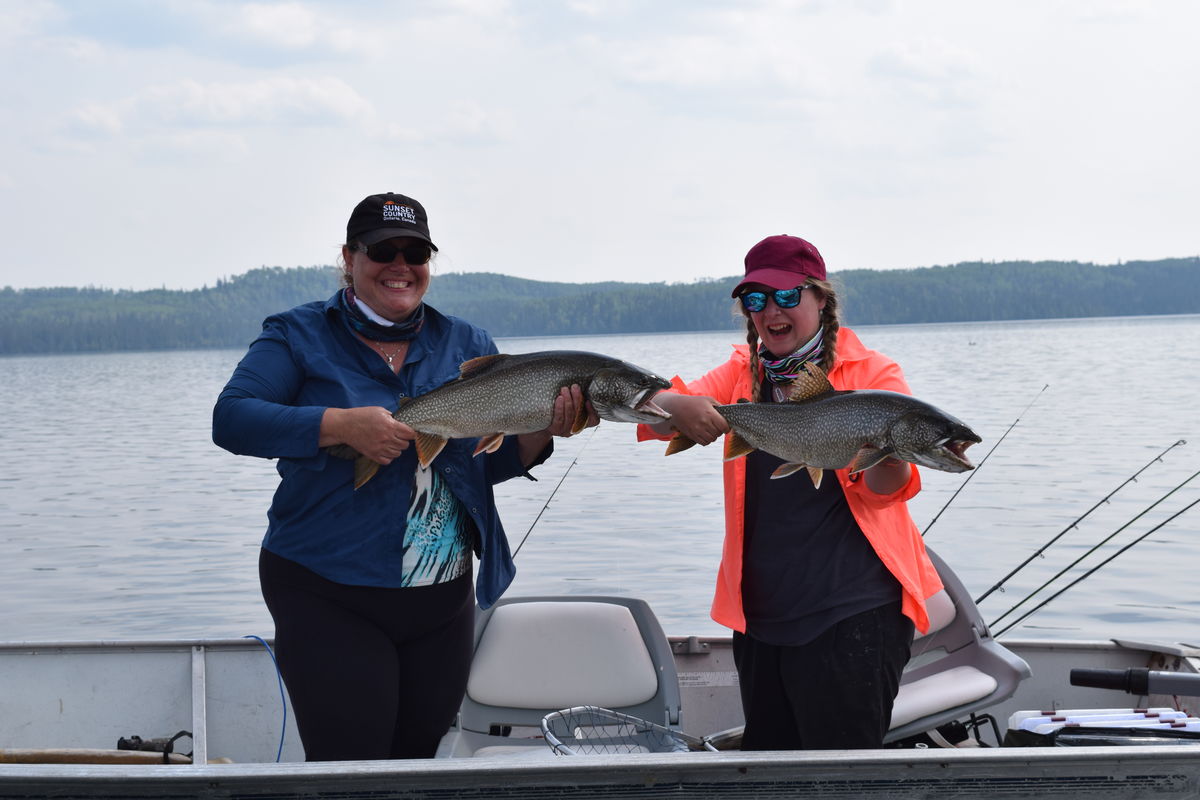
390,357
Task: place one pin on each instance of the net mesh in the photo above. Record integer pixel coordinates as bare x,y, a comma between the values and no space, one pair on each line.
591,730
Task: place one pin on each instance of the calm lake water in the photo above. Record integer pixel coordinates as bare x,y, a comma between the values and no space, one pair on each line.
119,519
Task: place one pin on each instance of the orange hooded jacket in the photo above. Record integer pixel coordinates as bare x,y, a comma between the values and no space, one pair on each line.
883,518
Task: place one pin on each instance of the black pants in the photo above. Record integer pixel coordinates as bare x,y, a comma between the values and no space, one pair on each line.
836,692
372,673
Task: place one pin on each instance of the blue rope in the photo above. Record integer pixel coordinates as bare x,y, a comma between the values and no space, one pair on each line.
282,697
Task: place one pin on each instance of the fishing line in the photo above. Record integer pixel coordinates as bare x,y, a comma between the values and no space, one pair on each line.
985,458
1078,519
1098,566
282,696
551,497
1096,547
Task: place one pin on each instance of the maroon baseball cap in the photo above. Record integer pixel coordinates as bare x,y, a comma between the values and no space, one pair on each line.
782,262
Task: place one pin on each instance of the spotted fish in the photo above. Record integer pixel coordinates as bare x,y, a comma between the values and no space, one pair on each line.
505,394
820,428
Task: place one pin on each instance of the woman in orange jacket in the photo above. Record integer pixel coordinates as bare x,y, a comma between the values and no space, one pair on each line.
822,586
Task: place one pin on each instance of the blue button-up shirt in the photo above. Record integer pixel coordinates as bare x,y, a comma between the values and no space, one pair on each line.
307,360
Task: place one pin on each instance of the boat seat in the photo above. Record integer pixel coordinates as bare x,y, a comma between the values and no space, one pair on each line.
535,655
956,668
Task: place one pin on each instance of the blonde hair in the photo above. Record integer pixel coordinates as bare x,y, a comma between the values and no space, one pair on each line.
830,324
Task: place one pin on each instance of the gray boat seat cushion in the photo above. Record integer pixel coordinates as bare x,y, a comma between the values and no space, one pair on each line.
957,686
537,655
549,655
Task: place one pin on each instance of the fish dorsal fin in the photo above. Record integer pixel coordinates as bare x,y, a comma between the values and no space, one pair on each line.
581,419
477,365
736,446
678,444
489,444
868,456
810,382
428,447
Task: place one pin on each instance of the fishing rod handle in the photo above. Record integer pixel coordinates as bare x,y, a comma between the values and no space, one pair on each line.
1138,681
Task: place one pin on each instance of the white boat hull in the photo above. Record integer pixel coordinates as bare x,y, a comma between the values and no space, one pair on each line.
227,694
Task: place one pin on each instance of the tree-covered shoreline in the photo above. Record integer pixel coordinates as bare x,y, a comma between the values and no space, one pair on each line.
230,314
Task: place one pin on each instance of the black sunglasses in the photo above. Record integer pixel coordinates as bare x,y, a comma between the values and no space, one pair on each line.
784,298
386,252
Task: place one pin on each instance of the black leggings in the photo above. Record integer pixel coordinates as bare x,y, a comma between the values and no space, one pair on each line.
836,692
372,673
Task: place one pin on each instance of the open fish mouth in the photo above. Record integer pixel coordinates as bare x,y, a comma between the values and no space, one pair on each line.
644,402
955,450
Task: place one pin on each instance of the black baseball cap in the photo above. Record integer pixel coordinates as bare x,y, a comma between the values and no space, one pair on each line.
384,216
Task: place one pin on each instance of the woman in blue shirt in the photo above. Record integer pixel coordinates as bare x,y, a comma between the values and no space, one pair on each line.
371,589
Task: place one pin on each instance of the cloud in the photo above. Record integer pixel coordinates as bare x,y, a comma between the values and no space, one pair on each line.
93,119
286,25
462,123
20,20
188,103
930,71
271,100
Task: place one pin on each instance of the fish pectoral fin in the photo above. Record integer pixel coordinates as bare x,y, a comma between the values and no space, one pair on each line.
364,470
815,474
581,419
476,365
736,446
783,470
678,444
868,456
428,447
489,444
810,382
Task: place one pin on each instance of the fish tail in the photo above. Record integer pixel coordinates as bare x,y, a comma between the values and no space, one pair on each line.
364,470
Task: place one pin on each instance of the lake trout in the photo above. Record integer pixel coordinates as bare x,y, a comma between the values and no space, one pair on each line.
502,394
821,428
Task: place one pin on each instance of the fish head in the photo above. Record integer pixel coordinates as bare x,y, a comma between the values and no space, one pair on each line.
931,438
624,392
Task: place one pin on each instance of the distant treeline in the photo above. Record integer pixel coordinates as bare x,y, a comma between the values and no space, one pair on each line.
72,320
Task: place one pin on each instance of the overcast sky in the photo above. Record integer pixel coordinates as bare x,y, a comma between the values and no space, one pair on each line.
170,143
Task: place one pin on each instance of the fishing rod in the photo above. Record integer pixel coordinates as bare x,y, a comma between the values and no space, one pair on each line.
1098,566
1077,520
984,460
560,483
1096,547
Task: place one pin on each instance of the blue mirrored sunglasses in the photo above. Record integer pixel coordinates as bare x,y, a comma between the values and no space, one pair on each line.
784,298
385,252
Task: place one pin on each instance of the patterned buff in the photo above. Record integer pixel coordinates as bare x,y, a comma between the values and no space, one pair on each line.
782,371
362,319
